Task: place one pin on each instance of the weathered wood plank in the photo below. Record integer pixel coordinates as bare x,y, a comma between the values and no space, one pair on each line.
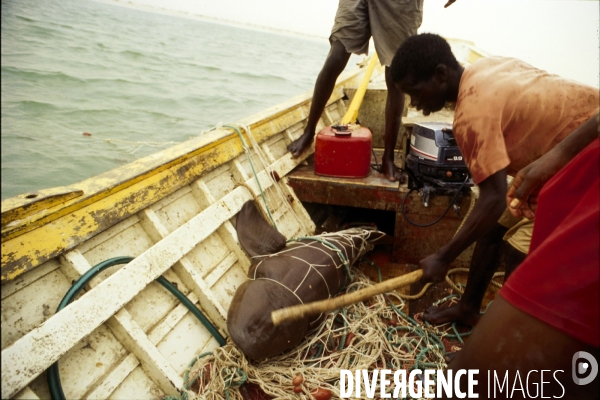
26,309
208,301
126,366
165,326
25,280
131,335
111,232
221,269
26,394
137,385
186,269
32,354
229,237
114,378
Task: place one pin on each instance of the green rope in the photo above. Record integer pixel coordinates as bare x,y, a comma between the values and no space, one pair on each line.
396,309
186,375
456,335
444,299
345,335
233,379
320,349
433,340
247,151
190,306
186,378
418,358
371,263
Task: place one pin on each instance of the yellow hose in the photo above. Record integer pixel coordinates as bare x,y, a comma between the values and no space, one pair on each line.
352,113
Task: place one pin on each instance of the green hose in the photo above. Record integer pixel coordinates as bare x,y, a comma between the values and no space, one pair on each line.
53,375
186,302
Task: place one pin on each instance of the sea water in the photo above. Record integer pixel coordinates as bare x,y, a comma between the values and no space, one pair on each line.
88,86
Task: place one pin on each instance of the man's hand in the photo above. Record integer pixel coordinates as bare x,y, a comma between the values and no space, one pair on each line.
434,269
522,194
449,3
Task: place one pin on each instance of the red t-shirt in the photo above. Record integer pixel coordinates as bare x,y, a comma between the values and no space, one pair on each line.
558,282
508,114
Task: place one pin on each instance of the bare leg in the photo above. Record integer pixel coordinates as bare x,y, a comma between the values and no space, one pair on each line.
334,65
485,261
508,339
394,107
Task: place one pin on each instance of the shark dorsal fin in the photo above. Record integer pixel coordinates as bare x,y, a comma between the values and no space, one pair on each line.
256,236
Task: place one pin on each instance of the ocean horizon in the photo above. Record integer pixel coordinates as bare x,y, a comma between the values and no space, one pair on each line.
206,18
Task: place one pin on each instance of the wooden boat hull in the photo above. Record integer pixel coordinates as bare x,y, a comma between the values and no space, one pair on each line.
126,336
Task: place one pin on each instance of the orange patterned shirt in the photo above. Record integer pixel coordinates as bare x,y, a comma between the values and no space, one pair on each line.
508,114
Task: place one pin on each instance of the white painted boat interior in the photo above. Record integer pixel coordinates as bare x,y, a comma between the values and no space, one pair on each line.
126,336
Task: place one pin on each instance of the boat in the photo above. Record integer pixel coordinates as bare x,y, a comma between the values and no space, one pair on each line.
122,334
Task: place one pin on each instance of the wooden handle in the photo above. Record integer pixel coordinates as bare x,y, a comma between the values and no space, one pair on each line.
352,113
296,312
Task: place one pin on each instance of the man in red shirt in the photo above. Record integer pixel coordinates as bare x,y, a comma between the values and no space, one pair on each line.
508,114
548,312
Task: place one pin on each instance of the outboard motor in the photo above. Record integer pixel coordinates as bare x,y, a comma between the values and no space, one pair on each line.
435,165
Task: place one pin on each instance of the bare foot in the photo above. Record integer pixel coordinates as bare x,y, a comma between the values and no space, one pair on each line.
393,173
455,313
301,144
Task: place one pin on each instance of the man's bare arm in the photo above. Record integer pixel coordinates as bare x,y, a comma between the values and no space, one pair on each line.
485,214
522,195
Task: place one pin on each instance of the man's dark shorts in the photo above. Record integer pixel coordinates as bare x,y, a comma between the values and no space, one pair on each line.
390,22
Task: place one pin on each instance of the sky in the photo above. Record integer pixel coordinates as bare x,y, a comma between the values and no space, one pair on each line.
560,36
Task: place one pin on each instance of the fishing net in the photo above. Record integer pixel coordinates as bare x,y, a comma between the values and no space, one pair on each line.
376,334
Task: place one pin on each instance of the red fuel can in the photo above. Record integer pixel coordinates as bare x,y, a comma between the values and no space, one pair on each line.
343,153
